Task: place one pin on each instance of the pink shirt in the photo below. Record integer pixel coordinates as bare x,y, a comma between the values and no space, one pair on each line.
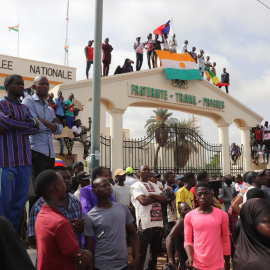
209,236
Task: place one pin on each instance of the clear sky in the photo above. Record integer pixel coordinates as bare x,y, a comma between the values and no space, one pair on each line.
234,33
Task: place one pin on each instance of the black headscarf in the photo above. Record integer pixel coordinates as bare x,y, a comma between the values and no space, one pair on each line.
252,248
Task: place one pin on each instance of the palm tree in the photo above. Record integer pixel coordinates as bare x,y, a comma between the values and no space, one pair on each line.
184,144
159,125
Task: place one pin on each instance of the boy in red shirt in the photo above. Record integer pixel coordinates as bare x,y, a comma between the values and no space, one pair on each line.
57,247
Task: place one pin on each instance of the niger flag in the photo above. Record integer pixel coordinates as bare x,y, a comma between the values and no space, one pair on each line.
179,66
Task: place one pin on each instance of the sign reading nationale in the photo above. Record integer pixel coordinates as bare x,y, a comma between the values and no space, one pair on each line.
31,68
175,97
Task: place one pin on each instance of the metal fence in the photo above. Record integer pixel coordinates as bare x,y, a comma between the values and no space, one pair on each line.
180,150
105,151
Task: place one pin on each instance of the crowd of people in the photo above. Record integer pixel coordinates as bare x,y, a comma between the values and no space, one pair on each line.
77,224
260,143
150,45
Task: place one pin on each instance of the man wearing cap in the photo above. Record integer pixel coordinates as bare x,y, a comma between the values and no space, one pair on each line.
121,191
179,179
147,198
84,180
130,180
184,194
154,179
138,47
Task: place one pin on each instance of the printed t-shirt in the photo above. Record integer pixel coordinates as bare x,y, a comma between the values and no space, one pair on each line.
109,228
139,49
150,45
156,212
69,111
55,240
184,195
266,136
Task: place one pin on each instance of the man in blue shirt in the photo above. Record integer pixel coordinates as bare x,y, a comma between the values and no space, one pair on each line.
59,111
41,144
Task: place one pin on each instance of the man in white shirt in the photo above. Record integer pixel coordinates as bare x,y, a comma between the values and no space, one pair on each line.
79,134
184,47
164,42
147,198
173,44
138,47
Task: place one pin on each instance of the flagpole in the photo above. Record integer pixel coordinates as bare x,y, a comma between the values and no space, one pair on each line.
18,40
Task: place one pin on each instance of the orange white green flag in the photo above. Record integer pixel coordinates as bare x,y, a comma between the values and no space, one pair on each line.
14,28
66,48
179,66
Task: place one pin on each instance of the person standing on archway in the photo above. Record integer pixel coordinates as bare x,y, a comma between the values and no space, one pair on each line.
150,45
89,52
138,47
106,57
225,78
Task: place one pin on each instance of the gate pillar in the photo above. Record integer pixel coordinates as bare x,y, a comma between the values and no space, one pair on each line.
245,139
116,133
224,141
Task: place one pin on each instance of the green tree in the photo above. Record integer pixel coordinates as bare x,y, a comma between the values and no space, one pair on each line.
184,144
214,163
159,124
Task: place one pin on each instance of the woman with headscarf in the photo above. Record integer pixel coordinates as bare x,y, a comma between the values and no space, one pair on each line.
127,67
253,244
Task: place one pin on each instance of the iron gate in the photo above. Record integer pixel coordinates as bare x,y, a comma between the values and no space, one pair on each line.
105,151
180,150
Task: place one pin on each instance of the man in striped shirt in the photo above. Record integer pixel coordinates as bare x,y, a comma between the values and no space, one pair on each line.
16,123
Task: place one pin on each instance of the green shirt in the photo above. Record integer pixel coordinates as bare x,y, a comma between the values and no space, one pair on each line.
70,110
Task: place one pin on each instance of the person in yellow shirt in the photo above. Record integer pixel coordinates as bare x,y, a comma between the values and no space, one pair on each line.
184,194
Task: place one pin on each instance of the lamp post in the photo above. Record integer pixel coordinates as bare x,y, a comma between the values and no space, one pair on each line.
96,88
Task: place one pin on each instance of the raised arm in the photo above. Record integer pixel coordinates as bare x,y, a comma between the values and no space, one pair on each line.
236,202
175,232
